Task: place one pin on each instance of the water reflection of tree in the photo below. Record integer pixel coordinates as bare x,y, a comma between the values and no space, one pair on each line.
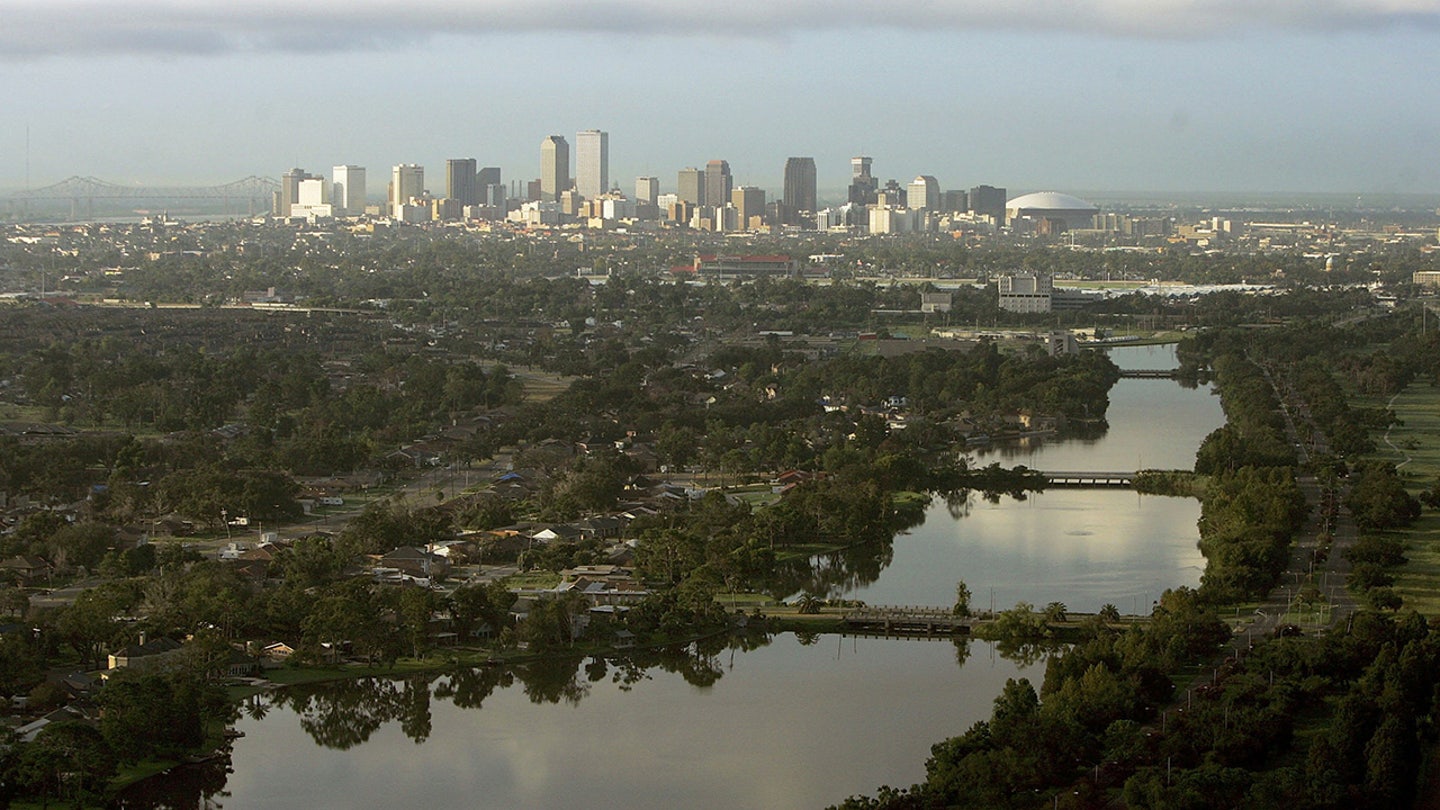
1026,653
959,502
962,650
201,785
551,680
838,572
343,714
415,720
467,687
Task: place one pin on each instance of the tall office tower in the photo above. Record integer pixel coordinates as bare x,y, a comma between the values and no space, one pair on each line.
488,176
799,190
461,182
988,200
749,203
647,189
348,194
954,200
554,167
313,191
717,183
592,163
862,183
923,192
407,180
690,186
290,190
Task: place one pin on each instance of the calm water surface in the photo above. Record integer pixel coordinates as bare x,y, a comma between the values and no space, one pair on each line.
782,725
1082,547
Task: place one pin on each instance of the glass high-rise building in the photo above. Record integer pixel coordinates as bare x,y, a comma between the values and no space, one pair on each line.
592,163
799,198
988,200
863,185
461,182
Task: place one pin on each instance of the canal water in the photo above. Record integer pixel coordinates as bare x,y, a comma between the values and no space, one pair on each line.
1082,547
783,724
787,724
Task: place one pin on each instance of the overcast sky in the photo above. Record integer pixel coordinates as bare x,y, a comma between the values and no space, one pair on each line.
1140,95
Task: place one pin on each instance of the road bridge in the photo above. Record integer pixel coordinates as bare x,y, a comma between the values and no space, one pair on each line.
910,620
1149,373
1090,480
81,194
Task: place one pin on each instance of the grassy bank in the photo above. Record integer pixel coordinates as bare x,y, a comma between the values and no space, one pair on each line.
1414,447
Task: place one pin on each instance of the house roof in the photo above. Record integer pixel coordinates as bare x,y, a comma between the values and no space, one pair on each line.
158,646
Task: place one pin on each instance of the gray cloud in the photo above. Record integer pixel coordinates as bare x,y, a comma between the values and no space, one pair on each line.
31,28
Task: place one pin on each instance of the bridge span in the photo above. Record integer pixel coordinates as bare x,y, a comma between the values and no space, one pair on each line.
251,195
1085,479
917,620
1149,373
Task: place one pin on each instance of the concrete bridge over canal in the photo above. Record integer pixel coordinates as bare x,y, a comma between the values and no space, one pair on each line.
1149,373
1089,480
914,620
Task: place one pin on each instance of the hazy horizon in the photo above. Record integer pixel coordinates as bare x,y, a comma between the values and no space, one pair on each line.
1172,97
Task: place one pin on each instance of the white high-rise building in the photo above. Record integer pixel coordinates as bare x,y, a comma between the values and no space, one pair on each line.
312,199
348,194
923,193
592,163
407,181
313,191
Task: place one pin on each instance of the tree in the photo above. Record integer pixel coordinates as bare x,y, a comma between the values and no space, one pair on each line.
962,599
14,602
89,625
67,760
1055,612
416,606
21,664
80,544
472,605
145,716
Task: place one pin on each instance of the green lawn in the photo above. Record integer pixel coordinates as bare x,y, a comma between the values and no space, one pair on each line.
1418,439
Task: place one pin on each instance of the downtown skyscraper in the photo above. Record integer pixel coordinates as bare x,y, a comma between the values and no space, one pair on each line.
799,196
348,190
407,182
461,182
592,163
690,185
718,184
554,167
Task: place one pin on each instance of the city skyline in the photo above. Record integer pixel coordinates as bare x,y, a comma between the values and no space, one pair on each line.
1107,94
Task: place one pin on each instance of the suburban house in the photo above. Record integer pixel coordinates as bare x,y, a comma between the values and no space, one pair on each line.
146,656
26,568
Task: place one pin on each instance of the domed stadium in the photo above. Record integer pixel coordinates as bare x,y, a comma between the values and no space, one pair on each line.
1052,211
